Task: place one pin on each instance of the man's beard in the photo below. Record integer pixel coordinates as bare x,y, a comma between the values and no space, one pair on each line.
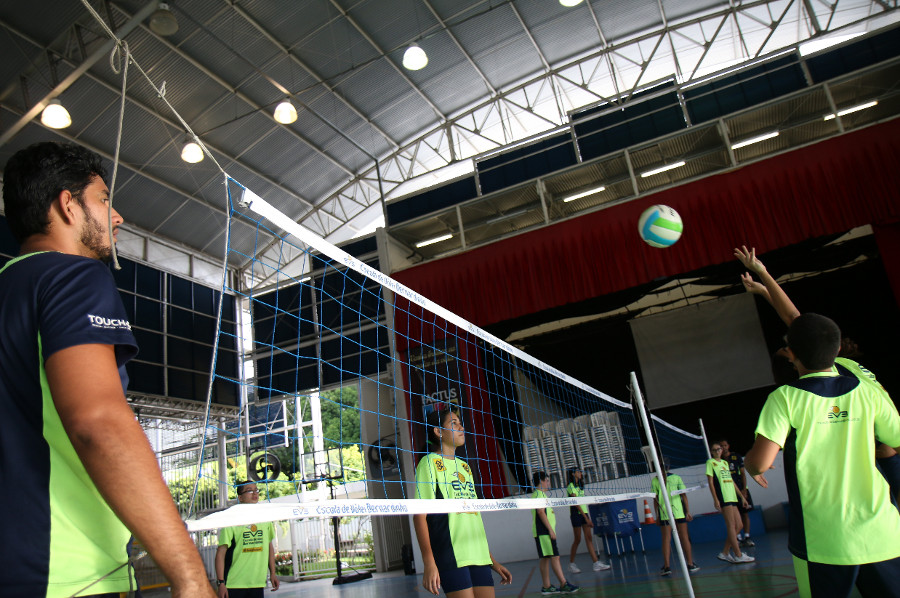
94,238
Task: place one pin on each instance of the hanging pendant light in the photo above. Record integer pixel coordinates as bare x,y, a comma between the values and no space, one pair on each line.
163,21
415,58
55,115
285,113
192,152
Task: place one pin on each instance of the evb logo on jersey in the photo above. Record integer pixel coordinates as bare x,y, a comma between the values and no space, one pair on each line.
836,413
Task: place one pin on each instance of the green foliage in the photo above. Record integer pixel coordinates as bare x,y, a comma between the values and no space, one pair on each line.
340,416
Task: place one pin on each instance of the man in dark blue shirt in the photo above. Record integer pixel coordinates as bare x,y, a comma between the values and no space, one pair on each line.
83,470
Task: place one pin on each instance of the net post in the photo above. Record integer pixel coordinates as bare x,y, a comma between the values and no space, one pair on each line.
705,439
645,420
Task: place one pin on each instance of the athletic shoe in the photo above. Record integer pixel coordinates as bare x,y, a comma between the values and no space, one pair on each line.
601,566
724,557
740,536
665,571
574,568
568,588
550,590
744,558
693,568
749,543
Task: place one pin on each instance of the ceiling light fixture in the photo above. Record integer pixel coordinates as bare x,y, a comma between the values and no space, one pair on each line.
434,240
55,115
191,152
570,3
163,21
415,58
285,113
852,109
753,140
662,169
583,194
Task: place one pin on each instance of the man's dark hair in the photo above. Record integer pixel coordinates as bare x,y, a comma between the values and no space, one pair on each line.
35,176
242,486
815,341
538,477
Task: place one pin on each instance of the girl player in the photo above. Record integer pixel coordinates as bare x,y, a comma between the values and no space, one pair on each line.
725,499
454,546
581,522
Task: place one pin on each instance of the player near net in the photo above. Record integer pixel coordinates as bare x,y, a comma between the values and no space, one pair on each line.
454,545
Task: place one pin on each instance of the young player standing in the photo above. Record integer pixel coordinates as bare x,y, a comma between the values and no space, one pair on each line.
454,546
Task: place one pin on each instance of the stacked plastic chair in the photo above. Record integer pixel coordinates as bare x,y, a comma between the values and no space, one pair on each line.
617,442
602,447
550,452
568,453
584,443
534,460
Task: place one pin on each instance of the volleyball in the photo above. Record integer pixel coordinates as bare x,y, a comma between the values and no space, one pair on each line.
660,226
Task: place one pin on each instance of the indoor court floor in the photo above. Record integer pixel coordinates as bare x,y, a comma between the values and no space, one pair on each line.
633,575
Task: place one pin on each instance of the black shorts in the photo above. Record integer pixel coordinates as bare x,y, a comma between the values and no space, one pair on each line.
463,578
245,592
546,547
836,581
678,521
727,504
577,520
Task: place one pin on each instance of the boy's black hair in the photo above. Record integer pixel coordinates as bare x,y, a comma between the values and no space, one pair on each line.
35,176
814,340
538,477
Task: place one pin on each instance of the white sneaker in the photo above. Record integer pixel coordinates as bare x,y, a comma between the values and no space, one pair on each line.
744,558
601,566
724,557
574,568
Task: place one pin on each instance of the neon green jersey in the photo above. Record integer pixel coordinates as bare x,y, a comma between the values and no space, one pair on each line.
827,424
720,471
673,483
457,539
574,490
537,526
247,559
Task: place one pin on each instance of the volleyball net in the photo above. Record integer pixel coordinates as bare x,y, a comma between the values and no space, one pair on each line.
342,367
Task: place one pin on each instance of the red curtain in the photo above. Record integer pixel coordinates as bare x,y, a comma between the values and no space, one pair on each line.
826,188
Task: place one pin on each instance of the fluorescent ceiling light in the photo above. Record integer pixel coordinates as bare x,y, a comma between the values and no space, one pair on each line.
434,240
306,279
852,109
662,169
753,140
817,45
191,153
55,115
570,3
583,194
415,58
285,113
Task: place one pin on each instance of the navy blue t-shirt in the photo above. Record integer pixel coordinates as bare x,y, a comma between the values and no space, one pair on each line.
48,302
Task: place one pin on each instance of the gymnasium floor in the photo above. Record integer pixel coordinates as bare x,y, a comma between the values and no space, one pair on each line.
633,575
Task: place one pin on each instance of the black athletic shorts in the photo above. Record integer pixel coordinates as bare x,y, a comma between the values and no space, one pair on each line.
546,547
463,578
577,520
837,581
677,521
